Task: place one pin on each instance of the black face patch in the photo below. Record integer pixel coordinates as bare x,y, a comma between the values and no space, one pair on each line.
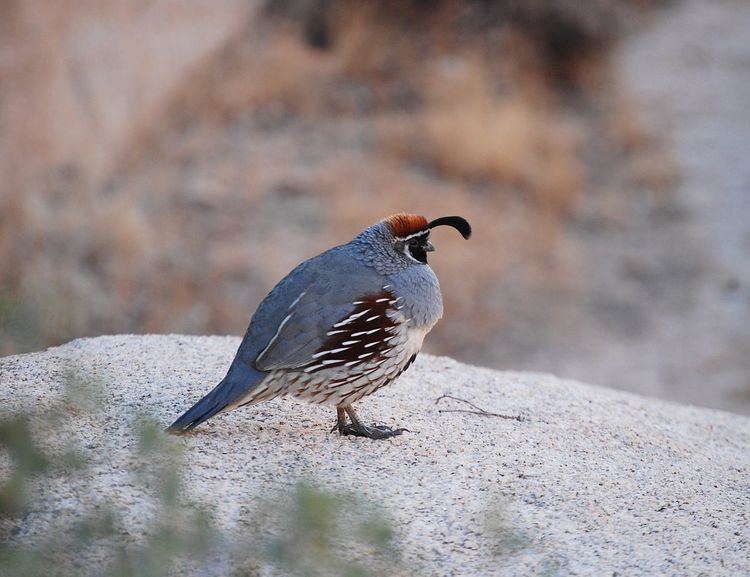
416,247
416,250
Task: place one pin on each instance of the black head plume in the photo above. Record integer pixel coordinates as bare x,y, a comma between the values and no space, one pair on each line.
457,222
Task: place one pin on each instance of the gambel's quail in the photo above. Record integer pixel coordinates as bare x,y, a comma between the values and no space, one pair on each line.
339,326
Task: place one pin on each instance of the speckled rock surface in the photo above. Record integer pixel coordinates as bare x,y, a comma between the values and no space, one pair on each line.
591,481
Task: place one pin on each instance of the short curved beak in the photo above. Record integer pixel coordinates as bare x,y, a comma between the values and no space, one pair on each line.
428,246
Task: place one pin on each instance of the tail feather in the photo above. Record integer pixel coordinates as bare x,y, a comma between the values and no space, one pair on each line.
240,380
200,412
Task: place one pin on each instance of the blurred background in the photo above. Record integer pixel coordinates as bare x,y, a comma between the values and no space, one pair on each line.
164,163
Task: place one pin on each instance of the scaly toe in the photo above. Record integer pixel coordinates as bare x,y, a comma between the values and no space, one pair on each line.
373,432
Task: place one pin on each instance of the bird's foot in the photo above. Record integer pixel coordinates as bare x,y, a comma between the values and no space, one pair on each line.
357,429
371,432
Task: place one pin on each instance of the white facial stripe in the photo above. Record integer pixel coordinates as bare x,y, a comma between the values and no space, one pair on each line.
426,234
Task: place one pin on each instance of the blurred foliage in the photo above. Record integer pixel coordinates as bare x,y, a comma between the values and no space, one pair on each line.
43,454
508,544
28,461
507,540
325,534
307,531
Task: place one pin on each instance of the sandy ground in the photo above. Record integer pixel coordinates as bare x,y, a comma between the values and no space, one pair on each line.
590,482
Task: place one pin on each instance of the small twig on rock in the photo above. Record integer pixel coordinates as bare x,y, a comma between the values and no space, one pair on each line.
476,411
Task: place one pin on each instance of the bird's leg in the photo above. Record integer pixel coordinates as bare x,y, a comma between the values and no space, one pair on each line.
341,423
356,427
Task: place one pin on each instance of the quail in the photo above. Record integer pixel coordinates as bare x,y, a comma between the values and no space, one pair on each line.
340,326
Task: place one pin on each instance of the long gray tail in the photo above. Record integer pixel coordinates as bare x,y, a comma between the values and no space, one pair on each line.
240,380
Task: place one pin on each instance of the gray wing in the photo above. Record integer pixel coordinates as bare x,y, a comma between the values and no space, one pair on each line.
316,296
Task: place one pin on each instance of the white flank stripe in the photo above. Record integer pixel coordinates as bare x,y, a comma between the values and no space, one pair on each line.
372,331
368,345
312,368
331,333
348,343
332,351
332,361
276,336
386,286
351,363
381,300
358,302
295,301
362,356
351,318
372,318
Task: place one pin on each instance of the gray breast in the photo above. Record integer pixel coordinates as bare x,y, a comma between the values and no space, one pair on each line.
419,290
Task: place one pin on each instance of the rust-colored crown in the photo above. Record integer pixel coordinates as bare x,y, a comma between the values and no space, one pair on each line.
403,225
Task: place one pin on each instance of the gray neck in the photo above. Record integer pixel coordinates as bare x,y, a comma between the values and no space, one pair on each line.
374,247
415,283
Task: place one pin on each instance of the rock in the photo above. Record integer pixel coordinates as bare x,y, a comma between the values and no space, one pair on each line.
589,482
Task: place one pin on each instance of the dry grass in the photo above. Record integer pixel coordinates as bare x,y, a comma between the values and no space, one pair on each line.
470,132
652,165
515,145
278,75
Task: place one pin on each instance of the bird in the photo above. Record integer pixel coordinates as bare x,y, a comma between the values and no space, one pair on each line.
338,327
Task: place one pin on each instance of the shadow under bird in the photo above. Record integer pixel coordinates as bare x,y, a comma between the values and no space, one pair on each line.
339,326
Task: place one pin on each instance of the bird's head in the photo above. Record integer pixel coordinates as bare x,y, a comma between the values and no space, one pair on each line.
410,233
